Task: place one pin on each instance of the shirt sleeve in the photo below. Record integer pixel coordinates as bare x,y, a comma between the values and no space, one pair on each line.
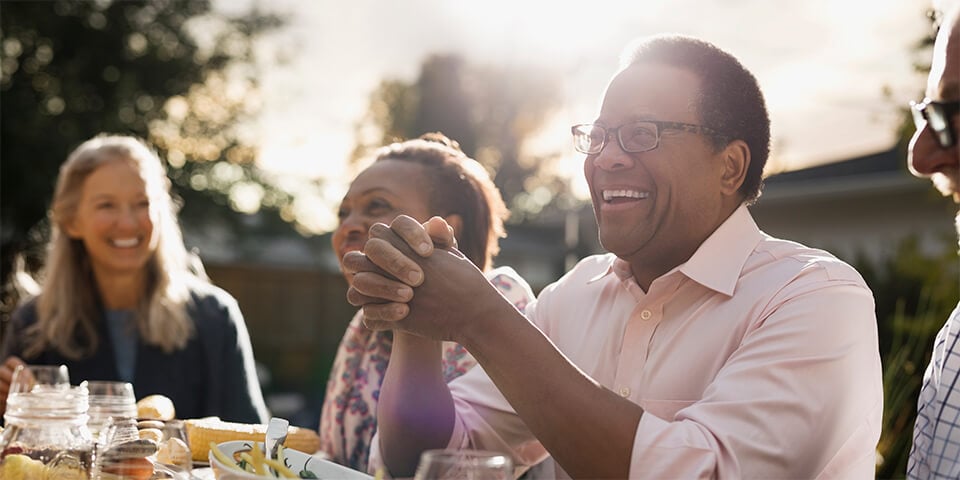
936,434
804,370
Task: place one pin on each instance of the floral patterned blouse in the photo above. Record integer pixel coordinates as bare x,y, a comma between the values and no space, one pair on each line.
348,420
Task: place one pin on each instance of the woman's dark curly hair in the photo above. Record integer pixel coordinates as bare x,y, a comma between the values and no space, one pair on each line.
457,184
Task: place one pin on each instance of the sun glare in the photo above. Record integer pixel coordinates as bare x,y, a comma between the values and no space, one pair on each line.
818,74
554,138
539,31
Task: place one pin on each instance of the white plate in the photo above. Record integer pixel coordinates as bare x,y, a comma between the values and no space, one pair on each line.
296,461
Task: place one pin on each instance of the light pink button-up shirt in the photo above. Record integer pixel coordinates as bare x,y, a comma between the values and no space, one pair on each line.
757,358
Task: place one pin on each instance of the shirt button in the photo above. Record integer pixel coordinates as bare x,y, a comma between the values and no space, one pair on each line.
645,315
624,392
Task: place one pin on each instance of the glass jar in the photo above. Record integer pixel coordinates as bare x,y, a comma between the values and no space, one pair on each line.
46,435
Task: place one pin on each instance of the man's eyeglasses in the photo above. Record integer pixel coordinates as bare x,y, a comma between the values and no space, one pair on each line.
939,117
634,137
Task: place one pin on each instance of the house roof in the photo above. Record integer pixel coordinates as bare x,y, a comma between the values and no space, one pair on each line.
873,173
881,162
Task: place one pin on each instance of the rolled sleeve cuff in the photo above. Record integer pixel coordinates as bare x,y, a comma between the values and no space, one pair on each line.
664,449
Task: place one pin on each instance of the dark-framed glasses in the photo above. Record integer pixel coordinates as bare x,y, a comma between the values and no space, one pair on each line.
633,137
939,116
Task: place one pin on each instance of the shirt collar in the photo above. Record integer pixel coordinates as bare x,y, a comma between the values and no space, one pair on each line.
616,265
718,262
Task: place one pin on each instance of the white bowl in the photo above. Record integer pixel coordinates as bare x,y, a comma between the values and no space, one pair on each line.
295,461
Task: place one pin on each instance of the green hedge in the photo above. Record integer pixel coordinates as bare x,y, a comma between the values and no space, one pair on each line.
914,293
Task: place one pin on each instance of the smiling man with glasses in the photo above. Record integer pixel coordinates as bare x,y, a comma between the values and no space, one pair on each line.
934,154
700,347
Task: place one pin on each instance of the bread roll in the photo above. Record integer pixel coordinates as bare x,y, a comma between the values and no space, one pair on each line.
156,407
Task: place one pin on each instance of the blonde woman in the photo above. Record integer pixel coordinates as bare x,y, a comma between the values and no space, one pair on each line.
120,300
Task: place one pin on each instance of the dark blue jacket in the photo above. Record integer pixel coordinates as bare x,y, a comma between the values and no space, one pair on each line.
213,375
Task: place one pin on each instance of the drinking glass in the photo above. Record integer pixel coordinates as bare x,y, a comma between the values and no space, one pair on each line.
463,464
26,378
108,399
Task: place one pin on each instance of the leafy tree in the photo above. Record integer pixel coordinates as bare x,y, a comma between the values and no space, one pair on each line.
172,71
490,111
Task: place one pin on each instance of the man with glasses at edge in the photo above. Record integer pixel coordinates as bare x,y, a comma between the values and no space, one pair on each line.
933,153
700,347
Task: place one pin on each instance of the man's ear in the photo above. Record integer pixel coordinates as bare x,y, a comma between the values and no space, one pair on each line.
455,221
735,158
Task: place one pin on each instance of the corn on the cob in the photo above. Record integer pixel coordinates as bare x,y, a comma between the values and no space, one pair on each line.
202,431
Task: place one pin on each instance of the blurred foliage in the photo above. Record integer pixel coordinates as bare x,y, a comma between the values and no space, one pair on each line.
171,71
491,111
914,295
921,54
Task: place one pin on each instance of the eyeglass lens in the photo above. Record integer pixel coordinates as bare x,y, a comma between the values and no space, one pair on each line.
634,137
937,116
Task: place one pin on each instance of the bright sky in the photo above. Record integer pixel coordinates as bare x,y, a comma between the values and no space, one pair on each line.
823,65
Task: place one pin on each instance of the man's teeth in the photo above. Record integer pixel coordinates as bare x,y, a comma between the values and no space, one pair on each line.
612,194
126,242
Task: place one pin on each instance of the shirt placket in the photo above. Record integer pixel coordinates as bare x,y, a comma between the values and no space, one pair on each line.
639,334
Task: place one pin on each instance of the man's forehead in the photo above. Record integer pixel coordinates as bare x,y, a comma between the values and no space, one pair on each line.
648,90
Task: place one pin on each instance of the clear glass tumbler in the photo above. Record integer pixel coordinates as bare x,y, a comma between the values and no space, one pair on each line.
109,399
463,464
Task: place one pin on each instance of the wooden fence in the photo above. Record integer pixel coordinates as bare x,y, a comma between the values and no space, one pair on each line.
296,318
